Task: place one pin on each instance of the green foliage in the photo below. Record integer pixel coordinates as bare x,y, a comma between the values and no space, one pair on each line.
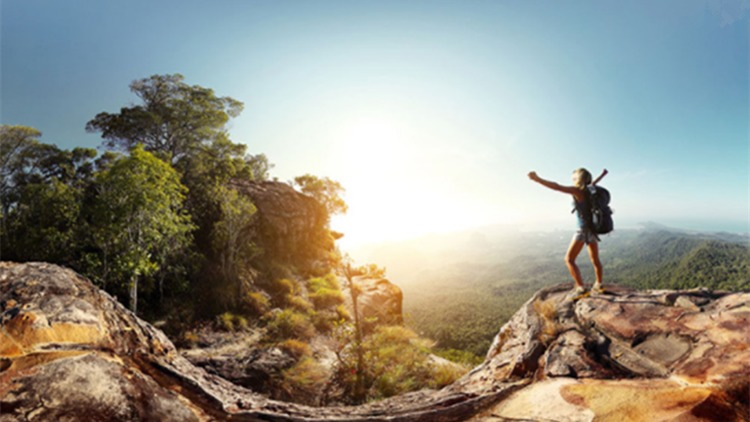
44,222
342,313
476,299
230,246
137,217
281,287
326,191
257,303
166,213
443,375
259,166
231,322
326,298
299,303
226,321
395,361
460,356
305,379
173,121
289,323
325,292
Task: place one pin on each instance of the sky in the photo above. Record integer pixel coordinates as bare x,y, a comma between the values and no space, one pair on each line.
429,113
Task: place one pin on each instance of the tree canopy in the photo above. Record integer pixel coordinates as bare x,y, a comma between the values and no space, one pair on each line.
174,120
138,212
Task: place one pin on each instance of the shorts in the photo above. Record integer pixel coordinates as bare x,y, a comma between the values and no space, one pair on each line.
584,235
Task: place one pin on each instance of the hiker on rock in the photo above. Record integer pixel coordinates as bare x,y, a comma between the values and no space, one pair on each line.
585,235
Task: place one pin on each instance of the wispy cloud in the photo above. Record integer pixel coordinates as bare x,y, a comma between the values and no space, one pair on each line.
729,11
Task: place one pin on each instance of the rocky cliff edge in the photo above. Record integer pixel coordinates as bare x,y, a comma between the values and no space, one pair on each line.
69,351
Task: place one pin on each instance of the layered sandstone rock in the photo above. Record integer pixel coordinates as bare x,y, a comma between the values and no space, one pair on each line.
624,356
379,301
70,352
289,228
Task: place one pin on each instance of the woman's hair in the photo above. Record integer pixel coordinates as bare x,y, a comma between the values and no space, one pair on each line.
584,178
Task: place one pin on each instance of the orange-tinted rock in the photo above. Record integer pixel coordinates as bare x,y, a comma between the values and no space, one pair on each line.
68,351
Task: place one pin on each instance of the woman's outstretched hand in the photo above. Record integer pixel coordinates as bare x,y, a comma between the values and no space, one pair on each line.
533,176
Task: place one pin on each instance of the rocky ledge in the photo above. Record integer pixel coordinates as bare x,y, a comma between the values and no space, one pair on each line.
69,351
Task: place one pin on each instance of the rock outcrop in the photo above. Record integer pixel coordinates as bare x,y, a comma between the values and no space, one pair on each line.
68,351
379,301
289,227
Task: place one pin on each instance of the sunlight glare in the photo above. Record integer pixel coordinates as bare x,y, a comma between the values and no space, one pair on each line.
391,190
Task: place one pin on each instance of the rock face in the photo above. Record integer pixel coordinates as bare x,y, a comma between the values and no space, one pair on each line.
68,351
289,227
379,302
625,355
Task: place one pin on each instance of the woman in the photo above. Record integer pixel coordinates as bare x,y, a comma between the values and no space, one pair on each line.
584,235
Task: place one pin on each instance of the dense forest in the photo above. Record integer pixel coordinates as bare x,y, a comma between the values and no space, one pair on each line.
154,214
163,219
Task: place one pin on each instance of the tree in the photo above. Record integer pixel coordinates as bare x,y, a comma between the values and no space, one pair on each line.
40,186
137,214
14,141
44,223
172,122
259,165
230,239
324,190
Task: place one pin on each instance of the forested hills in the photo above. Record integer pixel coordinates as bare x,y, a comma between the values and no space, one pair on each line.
480,278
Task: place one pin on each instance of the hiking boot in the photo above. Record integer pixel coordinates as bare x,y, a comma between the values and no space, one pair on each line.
579,290
597,289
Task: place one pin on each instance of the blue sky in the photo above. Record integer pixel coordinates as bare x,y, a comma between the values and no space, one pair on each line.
430,113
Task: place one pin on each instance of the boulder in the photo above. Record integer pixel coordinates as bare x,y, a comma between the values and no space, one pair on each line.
380,302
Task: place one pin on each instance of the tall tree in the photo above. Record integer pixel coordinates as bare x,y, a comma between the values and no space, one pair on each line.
230,243
14,141
137,214
173,121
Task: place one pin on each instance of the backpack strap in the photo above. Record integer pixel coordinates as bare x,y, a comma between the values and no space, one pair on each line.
589,222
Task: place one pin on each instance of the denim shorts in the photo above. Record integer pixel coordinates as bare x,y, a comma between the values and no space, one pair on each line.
584,235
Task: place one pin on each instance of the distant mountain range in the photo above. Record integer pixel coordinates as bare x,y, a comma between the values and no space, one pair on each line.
460,288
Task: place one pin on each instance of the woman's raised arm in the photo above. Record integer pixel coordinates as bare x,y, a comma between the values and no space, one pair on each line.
572,190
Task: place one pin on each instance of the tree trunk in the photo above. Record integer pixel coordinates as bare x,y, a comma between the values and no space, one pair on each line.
134,294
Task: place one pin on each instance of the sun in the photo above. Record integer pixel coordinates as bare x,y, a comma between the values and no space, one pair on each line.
388,194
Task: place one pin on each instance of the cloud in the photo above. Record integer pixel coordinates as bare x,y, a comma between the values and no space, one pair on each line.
729,11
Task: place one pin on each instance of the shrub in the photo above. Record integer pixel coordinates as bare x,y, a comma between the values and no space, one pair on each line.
257,303
226,321
445,374
299,303
296,348
343,313
329,281
241,322
324,320
326,298
231,322
460,356
282,287
547,312
303,381
395,362
325,292
290,324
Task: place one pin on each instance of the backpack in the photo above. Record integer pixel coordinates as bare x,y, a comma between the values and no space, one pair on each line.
601,213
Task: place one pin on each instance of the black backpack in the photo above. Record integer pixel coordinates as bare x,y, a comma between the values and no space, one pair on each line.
601,213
